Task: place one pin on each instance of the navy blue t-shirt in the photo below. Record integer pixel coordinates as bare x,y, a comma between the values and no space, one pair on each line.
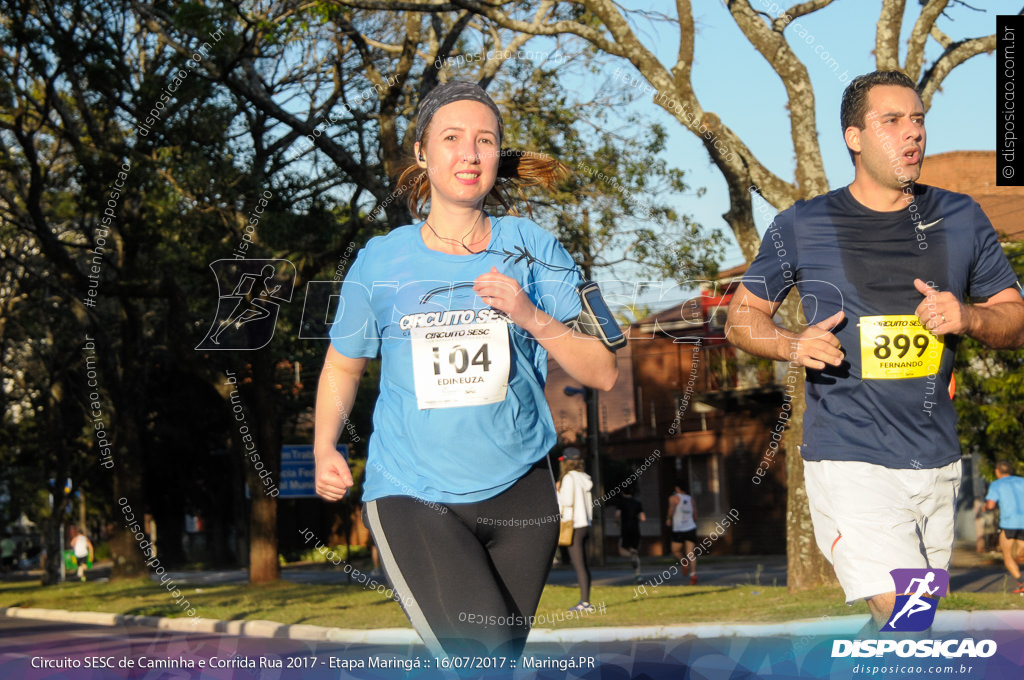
841,255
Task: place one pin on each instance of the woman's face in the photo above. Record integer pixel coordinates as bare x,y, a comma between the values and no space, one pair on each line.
461,150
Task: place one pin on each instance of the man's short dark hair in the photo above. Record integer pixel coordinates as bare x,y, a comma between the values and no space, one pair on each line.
854,108
1004,467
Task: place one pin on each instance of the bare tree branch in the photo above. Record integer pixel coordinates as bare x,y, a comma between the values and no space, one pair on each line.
954,55
491,67
804,8
383,47
887,35
810,172
919,36
941,37
494,12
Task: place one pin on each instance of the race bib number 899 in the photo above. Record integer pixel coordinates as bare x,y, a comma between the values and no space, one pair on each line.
465,365
897,346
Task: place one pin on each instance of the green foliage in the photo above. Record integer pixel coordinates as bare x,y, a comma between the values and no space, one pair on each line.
77,85
990,395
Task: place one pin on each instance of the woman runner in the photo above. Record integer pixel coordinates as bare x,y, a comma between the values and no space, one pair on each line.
464,308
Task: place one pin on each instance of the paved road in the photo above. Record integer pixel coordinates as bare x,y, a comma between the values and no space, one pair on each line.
34,650
970,573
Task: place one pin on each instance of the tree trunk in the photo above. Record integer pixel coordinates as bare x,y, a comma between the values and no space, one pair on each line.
51,546
53,439
807,567
129,561
263,564
128,410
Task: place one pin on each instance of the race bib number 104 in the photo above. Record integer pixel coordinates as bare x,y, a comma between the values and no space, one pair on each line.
461,365
898,346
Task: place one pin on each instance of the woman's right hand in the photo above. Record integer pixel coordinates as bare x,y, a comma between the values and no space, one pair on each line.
333,477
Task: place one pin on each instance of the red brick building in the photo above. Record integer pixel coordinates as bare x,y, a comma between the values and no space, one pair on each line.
974,173
690,407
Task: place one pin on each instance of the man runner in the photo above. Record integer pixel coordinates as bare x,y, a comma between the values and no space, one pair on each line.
891,274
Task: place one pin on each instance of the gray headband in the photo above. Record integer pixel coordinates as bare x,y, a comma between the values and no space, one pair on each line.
453,91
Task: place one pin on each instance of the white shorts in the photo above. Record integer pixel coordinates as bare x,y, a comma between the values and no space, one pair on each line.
870,519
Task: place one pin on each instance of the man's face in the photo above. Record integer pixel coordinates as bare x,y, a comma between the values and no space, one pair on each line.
891,146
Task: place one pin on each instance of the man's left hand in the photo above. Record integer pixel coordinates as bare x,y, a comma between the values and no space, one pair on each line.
941,312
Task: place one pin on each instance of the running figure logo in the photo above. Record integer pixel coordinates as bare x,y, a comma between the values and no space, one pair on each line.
921,590
247,315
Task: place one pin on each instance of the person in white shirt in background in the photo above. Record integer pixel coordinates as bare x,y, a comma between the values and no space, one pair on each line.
682,518
82,547
575,500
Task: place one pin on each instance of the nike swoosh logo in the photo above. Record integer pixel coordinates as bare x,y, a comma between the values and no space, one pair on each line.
921,226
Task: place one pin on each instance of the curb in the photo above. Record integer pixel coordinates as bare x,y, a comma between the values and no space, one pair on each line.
945,622
254,628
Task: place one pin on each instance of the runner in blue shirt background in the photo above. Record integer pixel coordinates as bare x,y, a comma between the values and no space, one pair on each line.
1007,491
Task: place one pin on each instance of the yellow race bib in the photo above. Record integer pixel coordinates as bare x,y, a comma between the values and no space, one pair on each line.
898,346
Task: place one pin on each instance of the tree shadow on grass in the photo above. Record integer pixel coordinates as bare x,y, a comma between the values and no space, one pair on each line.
694,592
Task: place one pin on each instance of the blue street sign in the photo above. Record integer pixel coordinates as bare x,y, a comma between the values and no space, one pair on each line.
298,469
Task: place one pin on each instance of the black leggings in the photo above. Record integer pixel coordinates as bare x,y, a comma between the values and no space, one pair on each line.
578,555
470,575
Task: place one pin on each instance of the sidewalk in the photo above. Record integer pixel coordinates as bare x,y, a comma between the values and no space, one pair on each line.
969,571
722,571
947,623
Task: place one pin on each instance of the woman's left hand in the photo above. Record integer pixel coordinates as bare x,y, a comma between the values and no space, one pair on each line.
504,294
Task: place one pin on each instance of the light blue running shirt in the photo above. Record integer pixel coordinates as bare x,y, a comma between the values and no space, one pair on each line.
1008,492
400,298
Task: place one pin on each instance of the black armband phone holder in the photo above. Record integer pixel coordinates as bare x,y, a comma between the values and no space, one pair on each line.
596,318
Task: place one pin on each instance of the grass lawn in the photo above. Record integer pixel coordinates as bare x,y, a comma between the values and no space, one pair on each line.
350,606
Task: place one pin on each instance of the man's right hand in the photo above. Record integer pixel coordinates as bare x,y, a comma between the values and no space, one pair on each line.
816,347
333,477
